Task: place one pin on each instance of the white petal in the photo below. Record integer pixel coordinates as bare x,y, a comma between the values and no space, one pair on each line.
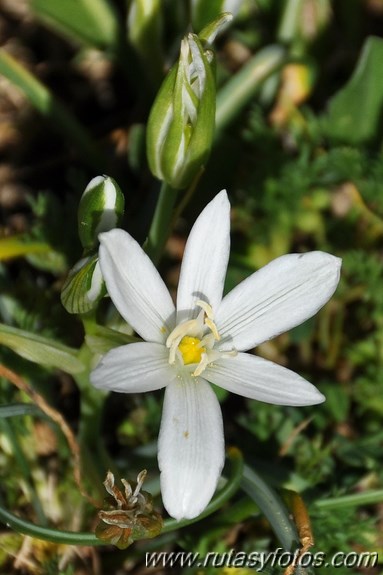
134,368
257,378
279,296
205,259
135,286
191,447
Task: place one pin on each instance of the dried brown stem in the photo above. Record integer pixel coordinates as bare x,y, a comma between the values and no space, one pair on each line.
59,420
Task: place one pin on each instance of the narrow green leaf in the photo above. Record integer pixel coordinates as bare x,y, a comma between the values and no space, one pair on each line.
51,108
354,113
14,409
354,500
40,350
273,507
275,512
144,26
242,87
92,22
16,246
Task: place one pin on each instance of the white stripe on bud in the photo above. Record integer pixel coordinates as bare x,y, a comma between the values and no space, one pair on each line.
100,210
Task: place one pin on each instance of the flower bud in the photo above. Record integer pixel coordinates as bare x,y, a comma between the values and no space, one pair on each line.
100,210
84,286
181,122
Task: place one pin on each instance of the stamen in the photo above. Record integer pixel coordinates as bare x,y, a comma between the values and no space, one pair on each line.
189,343
172,352
179,332
213,328
207,358
202,365
206,308
192,327
208,340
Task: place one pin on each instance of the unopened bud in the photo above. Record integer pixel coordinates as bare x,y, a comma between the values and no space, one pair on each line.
101,209
181,123
84,286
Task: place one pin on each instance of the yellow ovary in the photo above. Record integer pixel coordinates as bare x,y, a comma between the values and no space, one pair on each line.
191,349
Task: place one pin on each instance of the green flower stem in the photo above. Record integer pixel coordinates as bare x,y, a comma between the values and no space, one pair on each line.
238,91
354,500
47,533
161,224
90,539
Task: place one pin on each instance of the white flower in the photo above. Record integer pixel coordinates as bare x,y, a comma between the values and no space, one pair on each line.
202,340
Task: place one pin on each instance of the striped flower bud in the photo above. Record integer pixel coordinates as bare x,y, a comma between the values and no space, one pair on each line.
100,210
84,286
181,122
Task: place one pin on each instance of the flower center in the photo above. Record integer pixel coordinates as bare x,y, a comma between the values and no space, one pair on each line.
191,349
193,341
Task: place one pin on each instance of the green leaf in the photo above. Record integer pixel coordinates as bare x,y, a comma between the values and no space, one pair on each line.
40,349
17,246
92,22
354,113
13,409
144,27
272,506
372,497
242,86
275,511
